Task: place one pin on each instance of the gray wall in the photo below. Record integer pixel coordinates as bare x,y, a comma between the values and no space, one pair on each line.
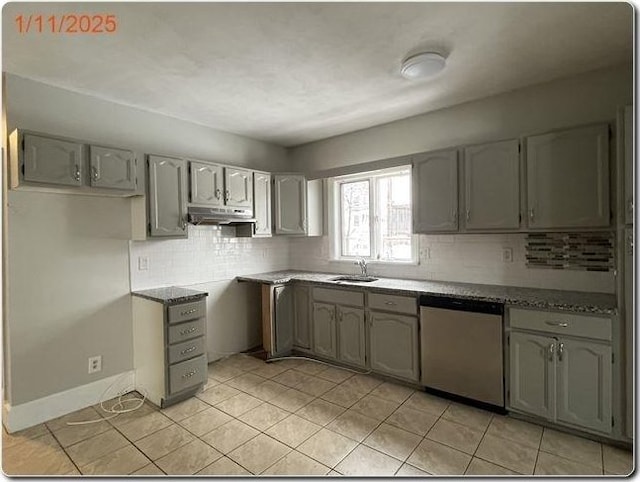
67,257
573,101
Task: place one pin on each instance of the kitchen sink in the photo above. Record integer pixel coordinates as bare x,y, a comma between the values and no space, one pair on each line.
355,278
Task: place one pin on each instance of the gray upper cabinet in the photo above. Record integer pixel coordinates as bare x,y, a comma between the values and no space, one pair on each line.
167,196
351,335
435,192
568,179
301,329
492,186
206,184
262,203
324,330
290,204
53,161
532,373
112,168
238,185
584,384
394,345
628,164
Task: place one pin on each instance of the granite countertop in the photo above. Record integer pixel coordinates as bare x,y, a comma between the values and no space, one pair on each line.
170,295
578,301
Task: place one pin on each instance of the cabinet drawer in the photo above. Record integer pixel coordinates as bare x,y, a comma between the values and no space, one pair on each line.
187,311
185,350
340,297
398,304
186,331
187,374
573,324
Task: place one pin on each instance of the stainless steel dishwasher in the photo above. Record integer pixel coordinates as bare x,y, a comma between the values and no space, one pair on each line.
461,348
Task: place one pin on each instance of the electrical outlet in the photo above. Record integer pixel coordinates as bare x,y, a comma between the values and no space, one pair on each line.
425,253
95,364
507,255
143,263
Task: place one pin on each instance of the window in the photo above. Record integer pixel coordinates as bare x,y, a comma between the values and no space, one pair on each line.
372,216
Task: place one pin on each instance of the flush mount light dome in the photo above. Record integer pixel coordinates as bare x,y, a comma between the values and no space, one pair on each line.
422,65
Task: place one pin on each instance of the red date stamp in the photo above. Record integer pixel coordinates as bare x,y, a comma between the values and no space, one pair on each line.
68,23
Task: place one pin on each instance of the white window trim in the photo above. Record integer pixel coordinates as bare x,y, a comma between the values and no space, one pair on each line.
334,219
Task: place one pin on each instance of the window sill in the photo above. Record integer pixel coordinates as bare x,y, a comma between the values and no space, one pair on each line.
376,263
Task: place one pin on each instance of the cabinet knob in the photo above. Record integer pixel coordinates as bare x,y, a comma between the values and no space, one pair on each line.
532,214
226,195
77,173
218,193
190,374
94,173
190,330
630,205
188,312
188,350
468,214
552,347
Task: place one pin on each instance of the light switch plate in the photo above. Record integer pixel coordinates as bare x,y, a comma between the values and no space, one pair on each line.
507,255
143,263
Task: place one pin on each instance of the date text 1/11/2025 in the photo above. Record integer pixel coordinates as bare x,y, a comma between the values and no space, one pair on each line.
68,23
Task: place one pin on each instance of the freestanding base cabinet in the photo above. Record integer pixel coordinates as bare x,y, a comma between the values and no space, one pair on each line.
169,348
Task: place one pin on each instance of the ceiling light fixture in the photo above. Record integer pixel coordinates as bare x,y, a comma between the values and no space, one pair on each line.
422,65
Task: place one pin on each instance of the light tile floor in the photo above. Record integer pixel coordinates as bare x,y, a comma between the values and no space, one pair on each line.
297,417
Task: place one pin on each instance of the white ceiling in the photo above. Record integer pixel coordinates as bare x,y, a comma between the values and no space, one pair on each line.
290,73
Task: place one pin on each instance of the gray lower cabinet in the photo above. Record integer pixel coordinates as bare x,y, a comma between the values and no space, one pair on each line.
169,349
394,345
167,188
584,384
301,327
53,161
351,335
283,300
532,373
324,330
112,168
559,377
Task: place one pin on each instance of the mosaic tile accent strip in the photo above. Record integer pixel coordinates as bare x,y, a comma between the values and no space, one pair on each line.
579,251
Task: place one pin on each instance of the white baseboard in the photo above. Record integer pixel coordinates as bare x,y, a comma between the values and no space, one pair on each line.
32,413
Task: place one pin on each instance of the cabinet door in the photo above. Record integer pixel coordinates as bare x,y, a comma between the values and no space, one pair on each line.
53,161
290,196
324,330
206,184
584,384
283,326
393,345
301,336
532,374
167,200
112,168
262,203
492,186
568,179
351,340
629,319
435,192
238,185
628,164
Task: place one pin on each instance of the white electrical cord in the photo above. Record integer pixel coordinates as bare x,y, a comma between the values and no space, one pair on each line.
280,358
118,407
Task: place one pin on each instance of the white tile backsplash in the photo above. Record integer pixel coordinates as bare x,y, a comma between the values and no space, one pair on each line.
203,257
471,258
207,256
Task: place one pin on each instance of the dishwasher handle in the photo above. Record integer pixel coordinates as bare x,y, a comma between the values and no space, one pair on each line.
461,304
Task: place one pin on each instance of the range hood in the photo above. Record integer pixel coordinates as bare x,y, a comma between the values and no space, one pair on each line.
219,215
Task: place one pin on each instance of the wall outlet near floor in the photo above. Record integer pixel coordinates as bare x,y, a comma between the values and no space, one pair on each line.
507,255
143,263
95,364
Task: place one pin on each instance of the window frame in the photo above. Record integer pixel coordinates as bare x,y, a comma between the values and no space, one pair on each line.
335,215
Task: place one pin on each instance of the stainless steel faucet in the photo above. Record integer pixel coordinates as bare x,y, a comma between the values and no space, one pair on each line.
363,266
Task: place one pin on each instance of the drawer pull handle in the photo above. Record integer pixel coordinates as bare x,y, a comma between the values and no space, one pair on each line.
187,350
190,330
551,349
561,324
560,351
390,303
190,374
188,312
